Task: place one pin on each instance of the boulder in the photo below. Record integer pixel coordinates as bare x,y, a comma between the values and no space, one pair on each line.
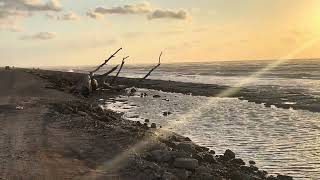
153,125
159,156
228,154
186,163
186,147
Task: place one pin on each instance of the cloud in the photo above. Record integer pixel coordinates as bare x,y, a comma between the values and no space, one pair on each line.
70,16
140,8
39,36
158,14
94,15
144,8
12,12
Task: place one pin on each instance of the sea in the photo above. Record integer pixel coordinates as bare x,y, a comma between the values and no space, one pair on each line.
285,141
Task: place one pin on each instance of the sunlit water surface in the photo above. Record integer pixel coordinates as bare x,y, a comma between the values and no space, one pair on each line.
279,140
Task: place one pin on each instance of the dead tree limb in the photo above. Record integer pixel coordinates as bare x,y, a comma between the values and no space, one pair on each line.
121,66
154,68
106,61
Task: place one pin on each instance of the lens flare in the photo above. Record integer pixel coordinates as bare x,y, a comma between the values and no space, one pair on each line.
118,161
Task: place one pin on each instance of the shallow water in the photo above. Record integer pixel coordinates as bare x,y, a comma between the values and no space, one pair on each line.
279,140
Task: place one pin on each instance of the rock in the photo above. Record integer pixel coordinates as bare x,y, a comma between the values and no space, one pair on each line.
239,162
203,170
186,147
237,175
166,113
182,174
252,162
186,163
209,158
147,121
228,154
187,139
178,154
82,113
156,96
153,125
212,152
169,176
283,177
159,156
133,90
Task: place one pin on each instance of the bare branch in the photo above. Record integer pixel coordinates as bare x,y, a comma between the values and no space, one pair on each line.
106,61
154,68
121,66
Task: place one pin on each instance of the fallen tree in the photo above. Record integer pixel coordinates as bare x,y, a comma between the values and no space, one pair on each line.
154,68
121,66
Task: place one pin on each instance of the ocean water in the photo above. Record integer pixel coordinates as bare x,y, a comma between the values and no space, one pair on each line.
282,141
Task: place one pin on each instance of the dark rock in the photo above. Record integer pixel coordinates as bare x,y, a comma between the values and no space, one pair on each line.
156,96
187,139
82,113
239,162
182,174
133,90
209,158
252,162
186,163
283,177
147,121
228,154
159,156
237,175
153,125
186,147
169,176
212,152
167,113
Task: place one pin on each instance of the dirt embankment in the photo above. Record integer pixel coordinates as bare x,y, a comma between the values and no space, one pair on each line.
57,135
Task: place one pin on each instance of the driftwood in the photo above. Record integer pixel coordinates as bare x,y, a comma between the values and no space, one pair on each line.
121,66
154,68
106,61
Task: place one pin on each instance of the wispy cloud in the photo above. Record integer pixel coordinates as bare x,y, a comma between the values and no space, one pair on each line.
144,8
158,14
94,15
39,36
70,16
12,12
140,8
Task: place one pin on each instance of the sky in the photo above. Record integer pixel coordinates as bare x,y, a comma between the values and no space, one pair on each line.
85,32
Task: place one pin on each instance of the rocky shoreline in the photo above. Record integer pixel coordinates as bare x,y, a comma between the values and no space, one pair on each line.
156,153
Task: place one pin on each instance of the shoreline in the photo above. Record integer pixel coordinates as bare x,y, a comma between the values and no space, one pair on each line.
170,146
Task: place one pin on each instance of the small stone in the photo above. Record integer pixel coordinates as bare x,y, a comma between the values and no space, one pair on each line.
133,90
252,162
153,125
228,154
147,121
156,96
82,113
167,113
283,177
186,163
212,152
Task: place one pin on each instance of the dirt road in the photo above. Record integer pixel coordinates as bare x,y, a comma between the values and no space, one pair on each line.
34,145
